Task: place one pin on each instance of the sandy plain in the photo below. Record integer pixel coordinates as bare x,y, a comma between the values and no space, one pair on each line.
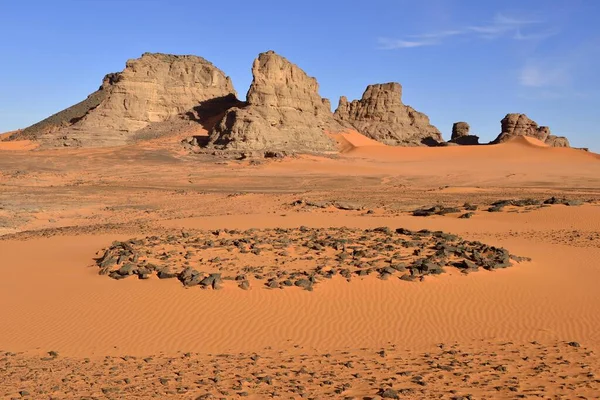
531,330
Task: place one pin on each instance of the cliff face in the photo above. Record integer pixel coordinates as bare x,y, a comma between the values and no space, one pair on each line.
381,115
152,88
284,112
520,125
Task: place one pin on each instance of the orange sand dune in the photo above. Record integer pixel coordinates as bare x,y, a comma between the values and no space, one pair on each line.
350,140
526,140
512,150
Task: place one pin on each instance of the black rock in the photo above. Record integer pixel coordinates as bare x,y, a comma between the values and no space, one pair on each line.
272,284
165,273
388,393
127,269
245,285
303,283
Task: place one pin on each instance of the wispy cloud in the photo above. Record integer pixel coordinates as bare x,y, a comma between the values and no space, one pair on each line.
539,76
501,26
392,44
437,35
503,19
519,35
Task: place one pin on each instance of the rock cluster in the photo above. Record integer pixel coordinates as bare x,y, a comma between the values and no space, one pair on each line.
496,206
520,125
300,257
151,89
381,115
284,112
501,204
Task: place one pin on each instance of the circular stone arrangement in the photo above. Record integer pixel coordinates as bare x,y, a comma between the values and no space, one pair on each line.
300,257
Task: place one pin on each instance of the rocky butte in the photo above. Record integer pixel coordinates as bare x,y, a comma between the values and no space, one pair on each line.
520,125
153,88
283,113
381,115
461,134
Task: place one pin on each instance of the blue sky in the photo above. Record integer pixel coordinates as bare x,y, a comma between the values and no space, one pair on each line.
470,60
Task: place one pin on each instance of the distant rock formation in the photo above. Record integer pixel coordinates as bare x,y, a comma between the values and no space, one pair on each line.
557,141
284,112
460,129
381,115
461,135
151,89
520,125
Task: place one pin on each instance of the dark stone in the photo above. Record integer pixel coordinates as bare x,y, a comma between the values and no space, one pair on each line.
304,283
348,206
467,215
245,285
166,274
388,394
435,210
470,207
272,284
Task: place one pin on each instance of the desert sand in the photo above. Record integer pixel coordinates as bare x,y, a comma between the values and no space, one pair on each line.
530,330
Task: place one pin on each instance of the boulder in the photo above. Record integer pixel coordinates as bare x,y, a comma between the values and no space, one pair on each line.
151,89
381,115
520,125
283,113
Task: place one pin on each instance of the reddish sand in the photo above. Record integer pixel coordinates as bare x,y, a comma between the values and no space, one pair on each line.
53,298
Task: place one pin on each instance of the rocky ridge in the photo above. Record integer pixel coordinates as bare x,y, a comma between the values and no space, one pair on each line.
381,115
160,94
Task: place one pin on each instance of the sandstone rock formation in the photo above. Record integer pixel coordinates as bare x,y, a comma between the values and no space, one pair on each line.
520,125
151,89
557,141
284,112
461,135
381,115
460,129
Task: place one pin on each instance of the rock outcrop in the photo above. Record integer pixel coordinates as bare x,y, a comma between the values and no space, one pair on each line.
462,136
151,89
520,125
381,115
283,113
460,129
557,141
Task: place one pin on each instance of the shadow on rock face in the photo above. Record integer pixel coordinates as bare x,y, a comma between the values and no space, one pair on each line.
210,112
430,141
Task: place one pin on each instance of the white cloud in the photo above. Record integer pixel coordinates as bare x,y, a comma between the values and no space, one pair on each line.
501,26
536,75
502,19
534,36
392,44
438,35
